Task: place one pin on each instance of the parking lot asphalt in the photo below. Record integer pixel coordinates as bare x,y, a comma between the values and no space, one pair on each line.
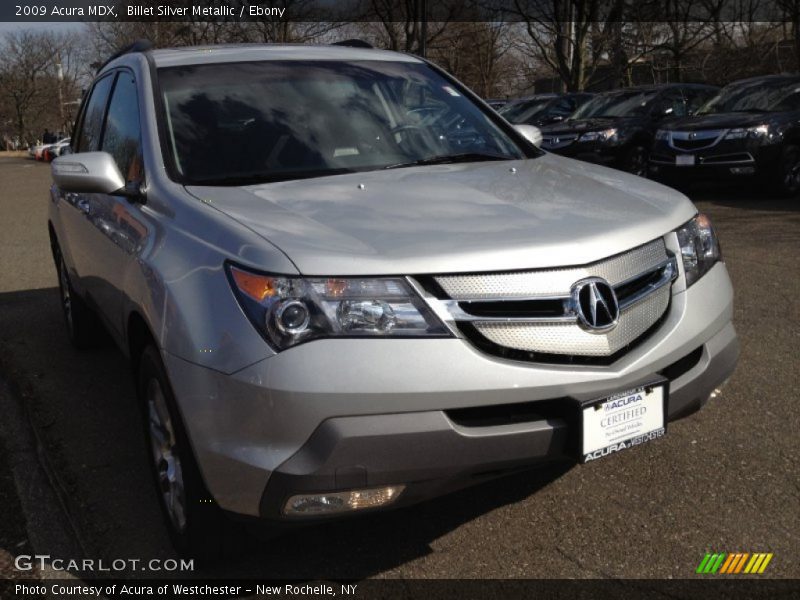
724,479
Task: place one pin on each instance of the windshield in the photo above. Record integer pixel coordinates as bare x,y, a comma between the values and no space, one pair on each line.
619,104
761,96
232,124
519,112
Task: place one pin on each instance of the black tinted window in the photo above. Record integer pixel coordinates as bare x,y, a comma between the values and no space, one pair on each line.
565,107
122,136
671,104
91,127
695,98
762,95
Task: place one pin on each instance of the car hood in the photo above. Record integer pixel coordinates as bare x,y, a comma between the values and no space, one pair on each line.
543,212
595,124
719,121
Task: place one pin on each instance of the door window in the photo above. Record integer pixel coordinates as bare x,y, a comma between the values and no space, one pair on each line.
122,133
92,122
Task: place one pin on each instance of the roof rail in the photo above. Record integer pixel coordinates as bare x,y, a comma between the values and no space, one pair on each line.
137,46
353,43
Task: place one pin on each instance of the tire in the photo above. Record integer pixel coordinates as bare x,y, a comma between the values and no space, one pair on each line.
787,182
636,161
83,327
196,524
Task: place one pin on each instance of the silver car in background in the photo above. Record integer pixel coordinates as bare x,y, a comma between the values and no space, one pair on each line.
345,284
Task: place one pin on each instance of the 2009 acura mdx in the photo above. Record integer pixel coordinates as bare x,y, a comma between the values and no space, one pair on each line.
344,283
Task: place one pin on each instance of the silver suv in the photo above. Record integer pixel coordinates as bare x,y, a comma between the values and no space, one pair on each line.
345,283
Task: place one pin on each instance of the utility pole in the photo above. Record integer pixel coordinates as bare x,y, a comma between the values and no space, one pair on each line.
60,76
423,42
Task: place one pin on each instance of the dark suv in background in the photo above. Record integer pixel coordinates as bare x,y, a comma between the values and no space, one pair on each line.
617,128
543,109
750,129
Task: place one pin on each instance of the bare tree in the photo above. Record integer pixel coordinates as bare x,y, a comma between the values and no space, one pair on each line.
30,87
479,53
409,25
569,36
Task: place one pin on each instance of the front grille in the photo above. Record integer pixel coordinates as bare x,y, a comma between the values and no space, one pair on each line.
568,338
695,140
728,159
690,144
494,415
534,315
553,282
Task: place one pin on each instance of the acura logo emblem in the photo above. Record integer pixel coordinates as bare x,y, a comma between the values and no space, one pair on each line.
595,304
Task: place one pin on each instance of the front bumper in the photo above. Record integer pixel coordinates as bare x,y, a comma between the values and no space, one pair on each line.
341,414
725,161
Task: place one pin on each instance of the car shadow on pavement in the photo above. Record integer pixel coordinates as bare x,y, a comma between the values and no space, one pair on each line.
83,408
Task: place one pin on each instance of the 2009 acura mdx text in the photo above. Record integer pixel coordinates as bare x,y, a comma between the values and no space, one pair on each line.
344,283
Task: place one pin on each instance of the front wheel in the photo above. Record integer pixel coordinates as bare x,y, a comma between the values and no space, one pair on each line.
636,161
788,180
195,522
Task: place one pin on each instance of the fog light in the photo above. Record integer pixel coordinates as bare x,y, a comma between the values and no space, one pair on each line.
338,502
743,170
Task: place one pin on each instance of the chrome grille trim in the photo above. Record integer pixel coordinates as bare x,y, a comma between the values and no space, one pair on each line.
569,339
668,272
711,136
641,277
550,283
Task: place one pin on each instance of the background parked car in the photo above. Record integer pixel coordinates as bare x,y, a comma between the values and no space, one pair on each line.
38,151
750,129
617,128
543,109
496,103
55,150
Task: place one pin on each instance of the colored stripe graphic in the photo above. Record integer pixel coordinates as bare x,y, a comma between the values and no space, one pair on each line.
734,563
754,561
740,564
764,564
727,564
702,566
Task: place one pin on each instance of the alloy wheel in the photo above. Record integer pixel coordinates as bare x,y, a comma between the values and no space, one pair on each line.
166,458
637,161
791,172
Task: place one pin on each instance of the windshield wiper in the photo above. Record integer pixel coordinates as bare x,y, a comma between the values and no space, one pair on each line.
451,159
256,178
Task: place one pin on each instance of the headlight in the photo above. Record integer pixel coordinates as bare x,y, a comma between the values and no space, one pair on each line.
291,310
758,132
699,247
662,134
607,135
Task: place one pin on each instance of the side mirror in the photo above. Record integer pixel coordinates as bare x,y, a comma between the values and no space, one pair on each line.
530,133
87,173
